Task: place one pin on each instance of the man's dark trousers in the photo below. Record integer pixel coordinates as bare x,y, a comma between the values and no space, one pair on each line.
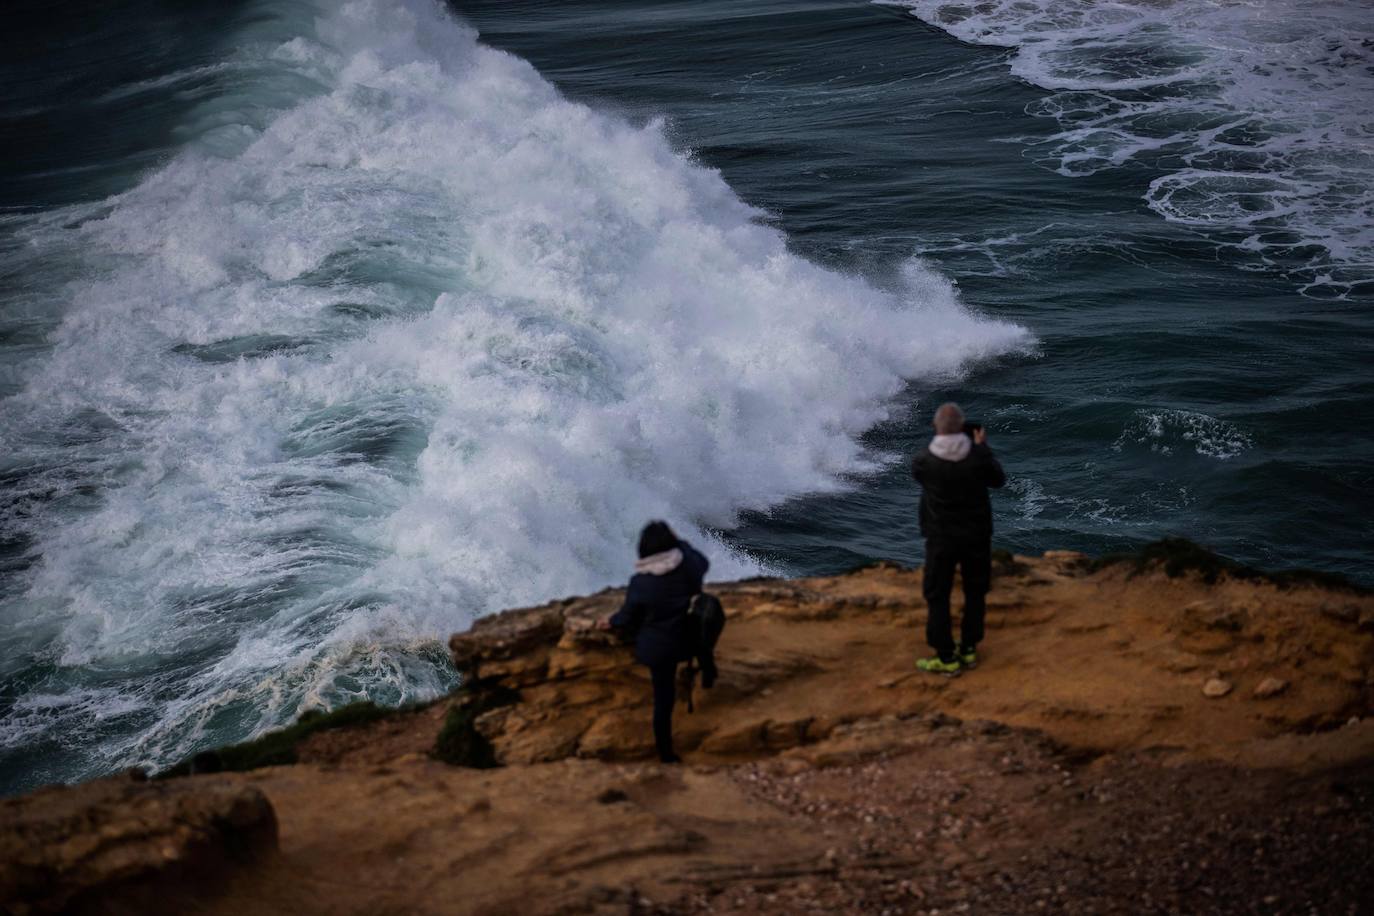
974,560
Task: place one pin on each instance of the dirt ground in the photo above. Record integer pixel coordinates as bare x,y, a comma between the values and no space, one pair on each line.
1080,768
1129,743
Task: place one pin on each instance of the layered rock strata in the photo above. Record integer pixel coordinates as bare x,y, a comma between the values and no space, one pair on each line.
1100,661
1085,766
126,844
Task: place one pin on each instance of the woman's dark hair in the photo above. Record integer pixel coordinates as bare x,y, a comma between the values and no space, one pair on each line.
656,538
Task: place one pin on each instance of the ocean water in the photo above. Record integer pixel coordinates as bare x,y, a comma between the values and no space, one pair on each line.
327,327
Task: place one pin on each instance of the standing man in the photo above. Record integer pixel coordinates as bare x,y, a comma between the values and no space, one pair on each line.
955,472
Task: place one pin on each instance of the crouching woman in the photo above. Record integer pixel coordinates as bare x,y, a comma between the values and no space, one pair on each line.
667,577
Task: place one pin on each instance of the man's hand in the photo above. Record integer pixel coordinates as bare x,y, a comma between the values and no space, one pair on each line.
980,436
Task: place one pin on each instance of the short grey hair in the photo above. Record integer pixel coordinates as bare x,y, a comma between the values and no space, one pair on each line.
949,418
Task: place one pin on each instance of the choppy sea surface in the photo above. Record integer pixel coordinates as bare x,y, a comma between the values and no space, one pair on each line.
328,327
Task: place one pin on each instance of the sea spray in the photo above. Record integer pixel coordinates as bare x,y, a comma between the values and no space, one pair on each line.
430,342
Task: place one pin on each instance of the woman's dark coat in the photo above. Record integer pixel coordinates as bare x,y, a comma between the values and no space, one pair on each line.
655,610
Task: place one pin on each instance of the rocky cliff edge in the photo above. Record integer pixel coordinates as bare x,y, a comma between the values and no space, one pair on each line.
1142,736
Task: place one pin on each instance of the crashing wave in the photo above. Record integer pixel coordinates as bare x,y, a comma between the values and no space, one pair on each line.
428,342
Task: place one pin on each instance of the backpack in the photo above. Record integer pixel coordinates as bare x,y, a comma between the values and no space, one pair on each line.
708,621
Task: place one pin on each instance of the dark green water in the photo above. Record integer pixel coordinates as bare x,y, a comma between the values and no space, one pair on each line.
1178,391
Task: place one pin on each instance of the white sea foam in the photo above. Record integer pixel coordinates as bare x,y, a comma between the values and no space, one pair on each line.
433,342
1256,111
1040,506
1168,432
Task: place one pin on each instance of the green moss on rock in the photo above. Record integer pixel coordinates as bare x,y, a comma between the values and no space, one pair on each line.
278,748
459,742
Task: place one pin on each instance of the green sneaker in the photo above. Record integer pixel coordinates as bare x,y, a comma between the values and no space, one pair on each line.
968,657
934,665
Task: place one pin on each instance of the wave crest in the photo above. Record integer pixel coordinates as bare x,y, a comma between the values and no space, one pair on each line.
433,342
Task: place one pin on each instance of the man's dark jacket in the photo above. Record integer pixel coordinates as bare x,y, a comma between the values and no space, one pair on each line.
954,494
655,610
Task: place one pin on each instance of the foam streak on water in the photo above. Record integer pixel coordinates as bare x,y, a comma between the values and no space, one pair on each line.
429,342
1252,117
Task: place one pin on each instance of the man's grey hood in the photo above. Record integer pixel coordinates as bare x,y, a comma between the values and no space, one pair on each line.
951,446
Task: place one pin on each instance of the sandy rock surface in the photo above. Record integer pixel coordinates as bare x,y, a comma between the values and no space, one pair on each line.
1079,768
67,850
1107,662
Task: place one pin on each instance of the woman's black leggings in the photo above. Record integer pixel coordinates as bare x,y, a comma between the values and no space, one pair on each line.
665,695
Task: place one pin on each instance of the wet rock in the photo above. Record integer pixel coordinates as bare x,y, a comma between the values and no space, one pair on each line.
1270,687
